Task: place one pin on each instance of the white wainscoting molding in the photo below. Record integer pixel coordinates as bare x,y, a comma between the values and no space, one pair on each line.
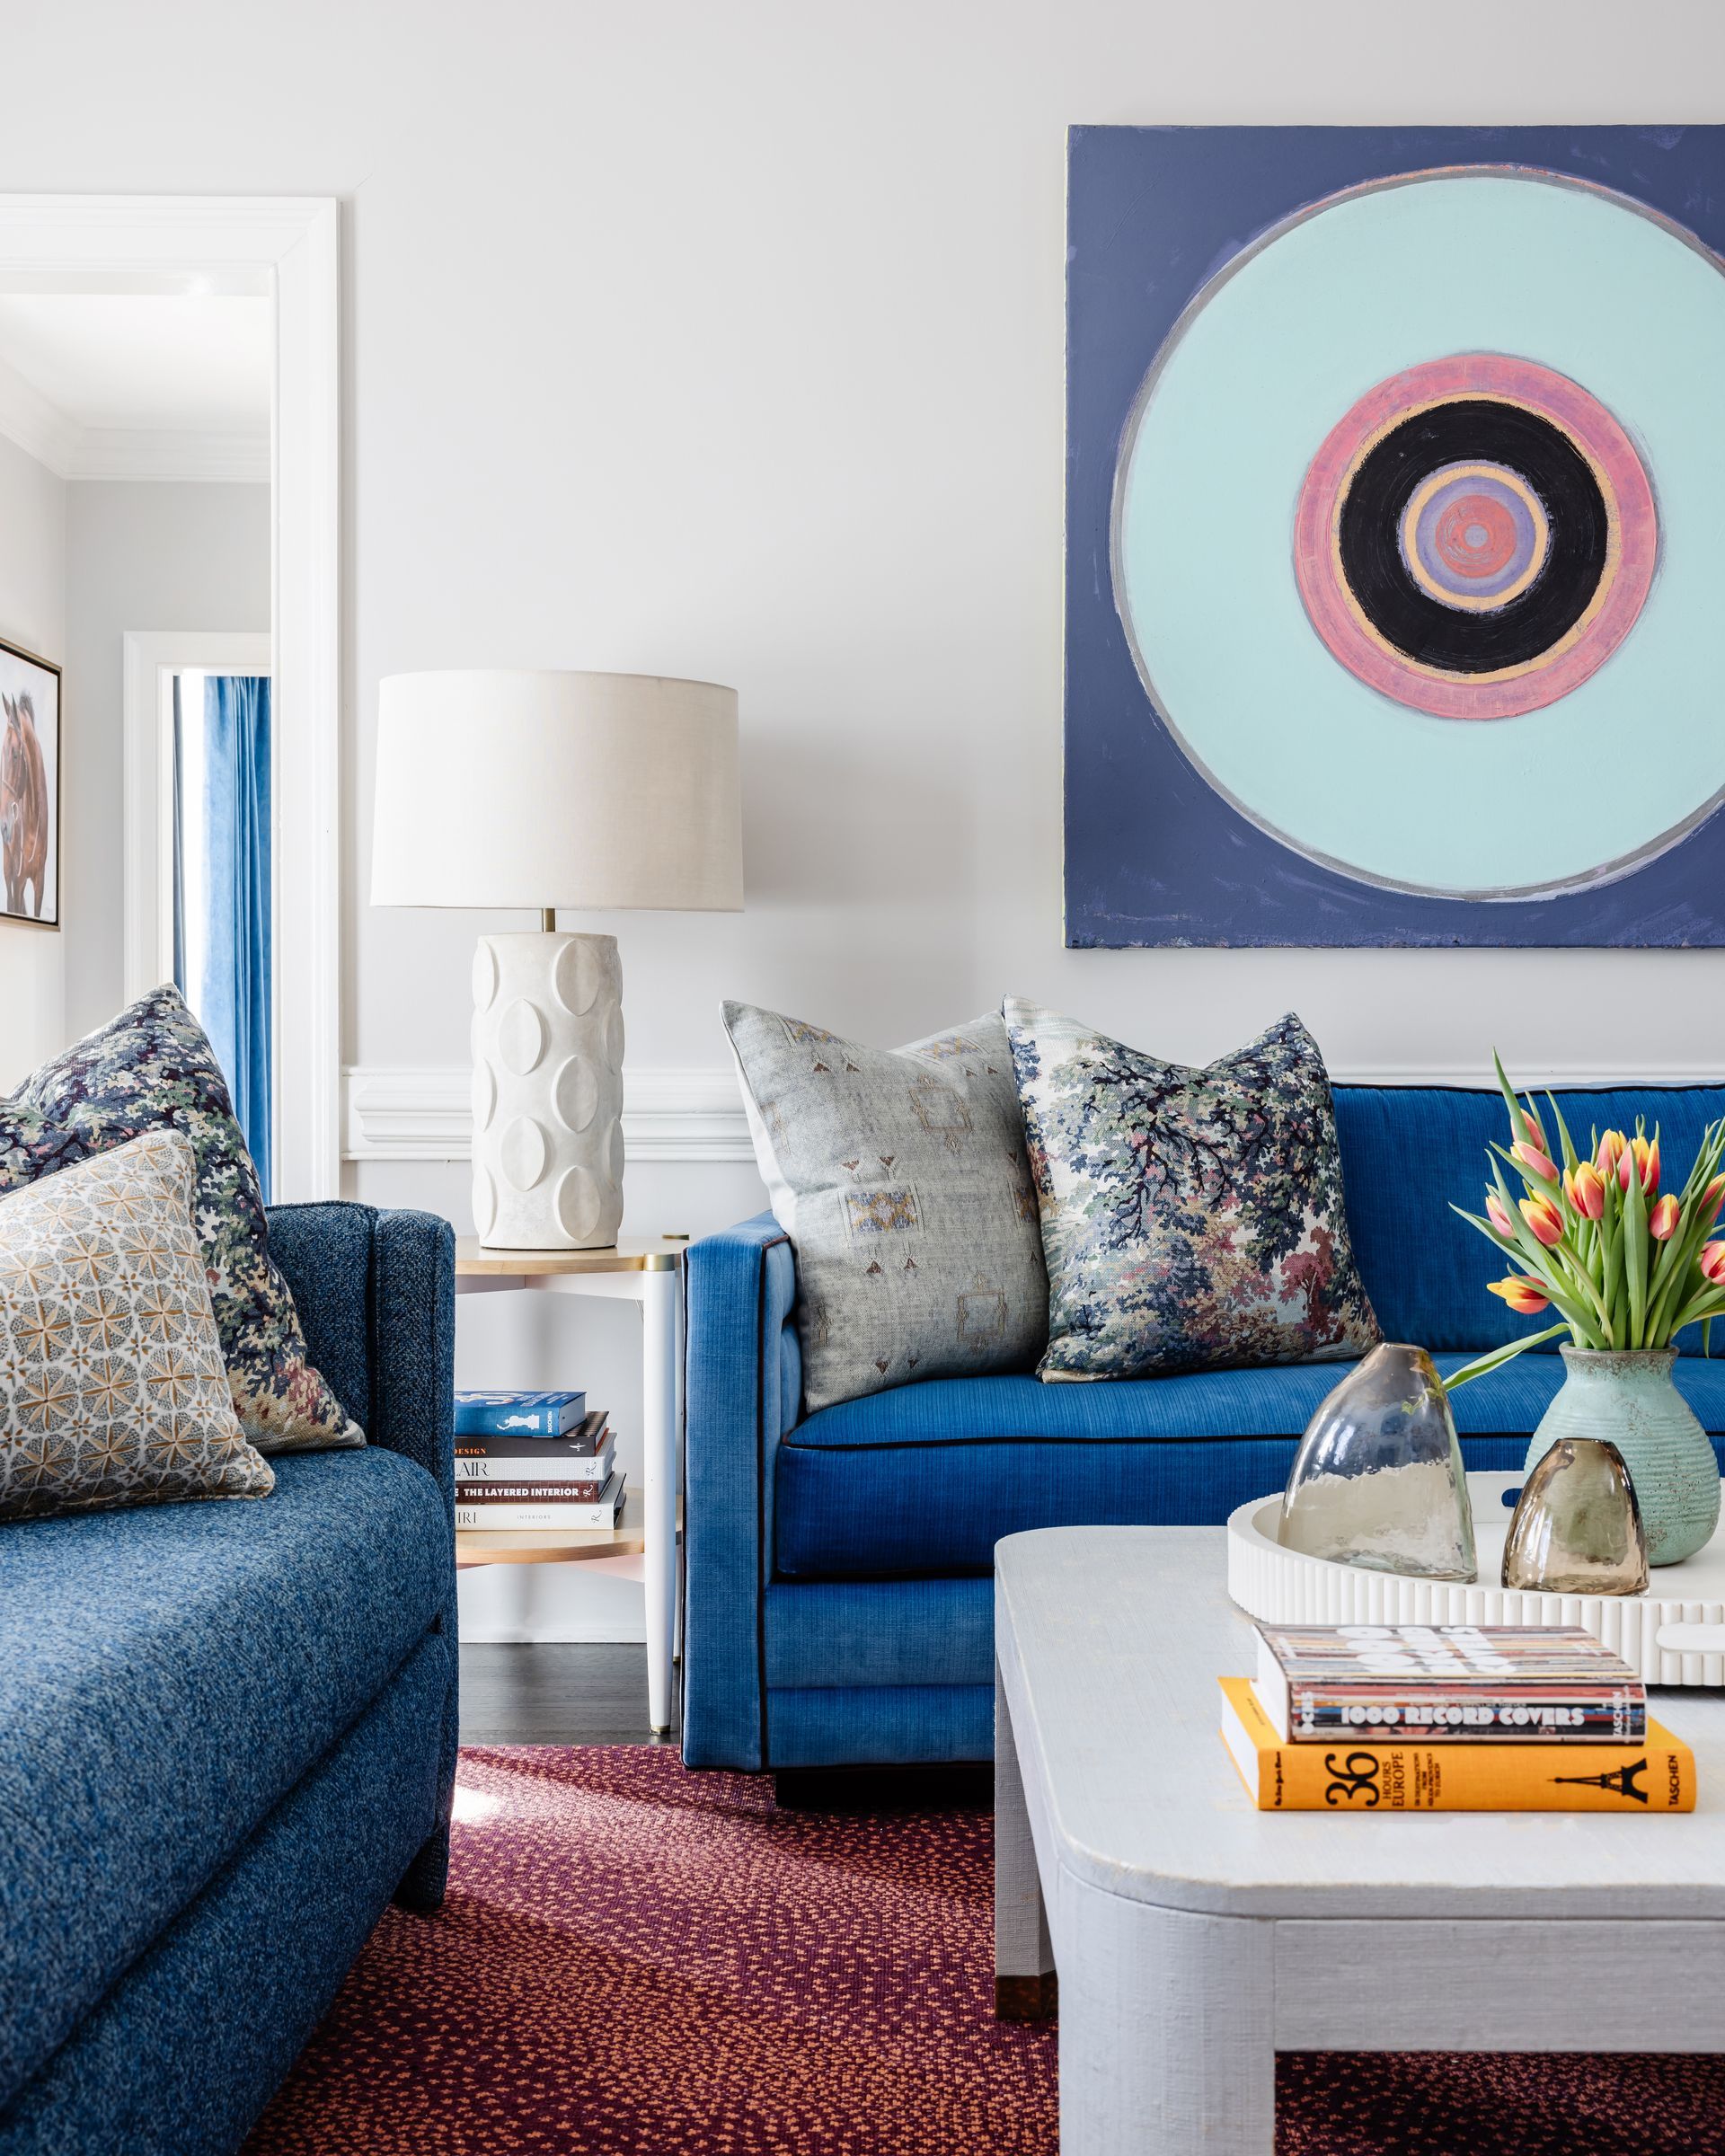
425,1115
697,1115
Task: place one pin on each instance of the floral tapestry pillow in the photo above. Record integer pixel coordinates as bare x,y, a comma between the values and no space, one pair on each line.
113,1389
31,1147
152,1068
1191,1220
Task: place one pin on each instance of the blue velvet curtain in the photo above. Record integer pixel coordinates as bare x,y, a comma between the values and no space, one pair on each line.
233,1000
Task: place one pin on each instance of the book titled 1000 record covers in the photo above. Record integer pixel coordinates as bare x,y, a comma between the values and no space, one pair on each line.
1504,1683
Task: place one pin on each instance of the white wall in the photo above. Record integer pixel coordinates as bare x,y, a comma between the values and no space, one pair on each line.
138,555
728,340
33,615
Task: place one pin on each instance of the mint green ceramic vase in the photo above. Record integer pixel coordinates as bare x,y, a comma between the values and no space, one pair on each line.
1627,1397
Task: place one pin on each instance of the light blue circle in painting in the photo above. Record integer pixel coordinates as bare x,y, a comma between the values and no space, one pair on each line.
1268,356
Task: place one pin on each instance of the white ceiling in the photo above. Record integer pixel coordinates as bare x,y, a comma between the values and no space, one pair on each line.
136,386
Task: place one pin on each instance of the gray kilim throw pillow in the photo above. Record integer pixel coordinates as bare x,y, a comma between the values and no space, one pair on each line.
1193,1220
113,1389
902,1179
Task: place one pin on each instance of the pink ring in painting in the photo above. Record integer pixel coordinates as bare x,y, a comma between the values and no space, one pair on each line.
1628,572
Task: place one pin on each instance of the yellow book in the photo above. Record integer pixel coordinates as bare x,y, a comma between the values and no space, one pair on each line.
1396,1776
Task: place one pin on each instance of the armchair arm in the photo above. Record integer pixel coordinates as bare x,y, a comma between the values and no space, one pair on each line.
743,1393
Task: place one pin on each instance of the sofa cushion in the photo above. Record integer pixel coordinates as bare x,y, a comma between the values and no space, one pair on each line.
112,1387
928,1478
1409,1152
152,1067
166,1676
1191,1220
901,1177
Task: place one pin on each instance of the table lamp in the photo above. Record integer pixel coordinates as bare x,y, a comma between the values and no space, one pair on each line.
549,791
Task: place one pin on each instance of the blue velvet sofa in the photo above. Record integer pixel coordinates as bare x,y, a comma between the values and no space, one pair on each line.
227,1735
839,1604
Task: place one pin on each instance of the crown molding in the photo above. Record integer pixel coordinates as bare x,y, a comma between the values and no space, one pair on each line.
39,427
170,453
393,1114
70,451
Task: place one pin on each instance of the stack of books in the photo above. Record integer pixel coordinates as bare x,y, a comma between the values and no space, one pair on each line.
1412,1718
534,1460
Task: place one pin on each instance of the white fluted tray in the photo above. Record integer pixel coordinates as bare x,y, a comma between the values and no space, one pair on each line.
1673,1634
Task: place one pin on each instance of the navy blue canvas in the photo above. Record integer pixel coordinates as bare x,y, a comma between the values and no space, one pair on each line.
1154,853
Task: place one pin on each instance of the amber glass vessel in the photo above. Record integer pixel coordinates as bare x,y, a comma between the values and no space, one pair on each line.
1576,1528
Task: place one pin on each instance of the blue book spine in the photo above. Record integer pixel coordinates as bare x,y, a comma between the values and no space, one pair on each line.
518,1414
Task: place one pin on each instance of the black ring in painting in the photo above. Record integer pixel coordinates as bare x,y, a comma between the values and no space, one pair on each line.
1405,614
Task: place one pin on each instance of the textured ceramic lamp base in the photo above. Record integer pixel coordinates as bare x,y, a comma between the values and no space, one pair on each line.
547,1091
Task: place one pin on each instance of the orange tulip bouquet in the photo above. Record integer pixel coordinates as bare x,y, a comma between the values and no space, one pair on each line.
1623,1265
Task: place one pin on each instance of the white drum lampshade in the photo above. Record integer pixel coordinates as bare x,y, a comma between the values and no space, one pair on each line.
547,791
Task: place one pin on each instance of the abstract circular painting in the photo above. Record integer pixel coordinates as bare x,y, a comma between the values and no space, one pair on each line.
1395,558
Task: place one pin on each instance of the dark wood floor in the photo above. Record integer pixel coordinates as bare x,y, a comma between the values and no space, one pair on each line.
597,1695
554,1695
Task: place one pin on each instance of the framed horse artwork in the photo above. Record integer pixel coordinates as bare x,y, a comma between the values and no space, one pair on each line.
29,787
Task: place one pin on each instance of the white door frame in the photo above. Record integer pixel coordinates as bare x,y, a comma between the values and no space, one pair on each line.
285,246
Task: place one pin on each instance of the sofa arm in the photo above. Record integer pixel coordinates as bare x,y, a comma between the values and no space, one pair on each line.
743,1385
413,1344
376,1295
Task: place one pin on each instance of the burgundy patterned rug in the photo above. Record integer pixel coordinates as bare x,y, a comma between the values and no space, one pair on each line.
638,1961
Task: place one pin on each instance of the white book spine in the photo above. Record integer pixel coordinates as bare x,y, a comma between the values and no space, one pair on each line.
515,1468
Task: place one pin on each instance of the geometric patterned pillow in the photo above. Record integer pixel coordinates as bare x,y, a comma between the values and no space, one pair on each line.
113,1386
152,1068
1191,1220
900,1175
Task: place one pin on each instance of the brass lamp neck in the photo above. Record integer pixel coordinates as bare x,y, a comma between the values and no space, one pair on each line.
548,919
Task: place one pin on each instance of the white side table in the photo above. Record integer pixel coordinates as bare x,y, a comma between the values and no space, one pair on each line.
650,1273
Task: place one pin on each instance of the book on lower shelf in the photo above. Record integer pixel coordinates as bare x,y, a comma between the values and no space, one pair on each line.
575,1453
494,1414
1417,1773
1467,1684
602,1513
482,1497
487,1472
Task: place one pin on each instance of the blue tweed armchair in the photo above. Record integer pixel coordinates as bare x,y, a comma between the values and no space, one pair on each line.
227,1735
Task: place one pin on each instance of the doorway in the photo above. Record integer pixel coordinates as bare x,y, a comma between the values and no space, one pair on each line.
182,871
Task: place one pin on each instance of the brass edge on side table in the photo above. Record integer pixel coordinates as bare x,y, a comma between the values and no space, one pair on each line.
556,1545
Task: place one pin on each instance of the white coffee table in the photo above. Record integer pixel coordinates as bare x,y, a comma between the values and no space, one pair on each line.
1194,1937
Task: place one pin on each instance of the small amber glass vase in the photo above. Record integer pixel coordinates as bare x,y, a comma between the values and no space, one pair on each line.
1576,1528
